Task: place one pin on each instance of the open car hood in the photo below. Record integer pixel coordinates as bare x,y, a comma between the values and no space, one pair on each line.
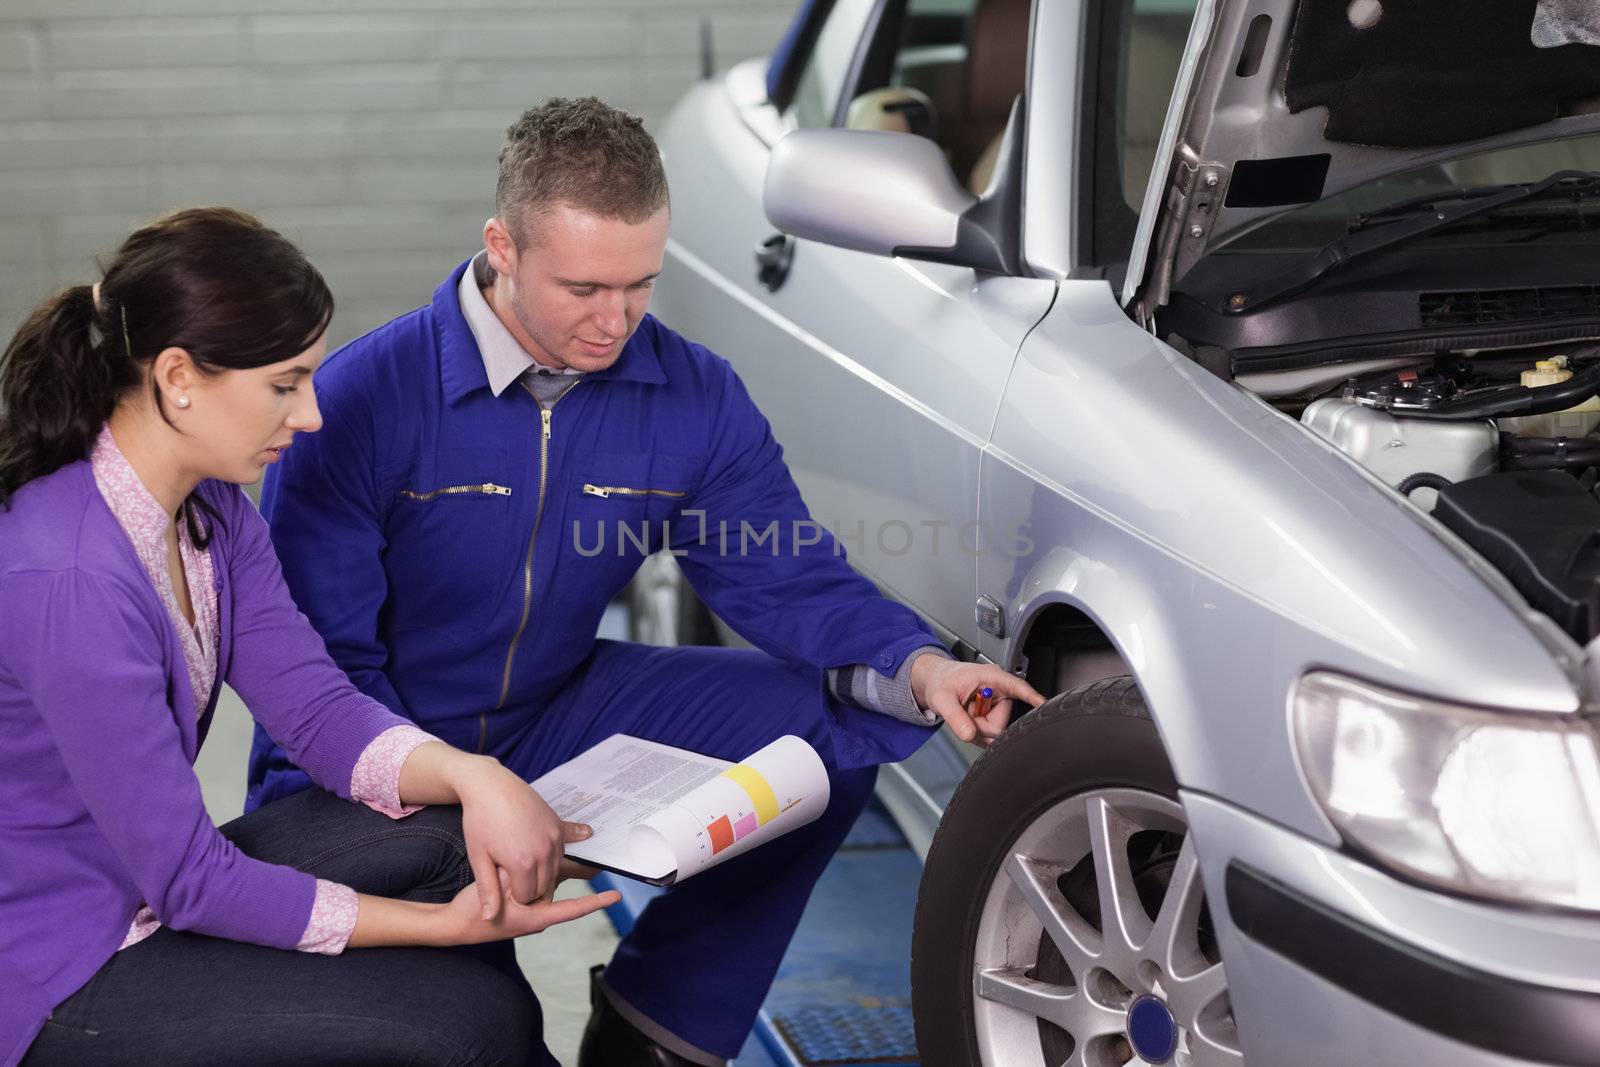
1279,103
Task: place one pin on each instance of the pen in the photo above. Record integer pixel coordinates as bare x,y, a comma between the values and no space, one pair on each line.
981,700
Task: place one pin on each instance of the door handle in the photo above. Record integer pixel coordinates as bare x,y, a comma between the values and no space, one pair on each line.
773,258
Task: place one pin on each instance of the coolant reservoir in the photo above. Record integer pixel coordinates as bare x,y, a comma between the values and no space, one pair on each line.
1394,447
1576,421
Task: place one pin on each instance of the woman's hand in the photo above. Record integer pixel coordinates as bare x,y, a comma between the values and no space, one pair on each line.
465,923
384,921
510,830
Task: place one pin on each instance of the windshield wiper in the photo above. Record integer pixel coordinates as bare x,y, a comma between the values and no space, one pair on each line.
1574,198
1376,231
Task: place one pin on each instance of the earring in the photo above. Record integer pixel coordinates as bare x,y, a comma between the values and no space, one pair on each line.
183,401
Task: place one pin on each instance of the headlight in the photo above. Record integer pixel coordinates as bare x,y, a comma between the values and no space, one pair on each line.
1495,805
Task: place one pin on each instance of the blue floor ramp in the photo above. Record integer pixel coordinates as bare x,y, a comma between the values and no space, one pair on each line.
842,997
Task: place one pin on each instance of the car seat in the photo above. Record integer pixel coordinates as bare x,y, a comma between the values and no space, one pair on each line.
997,66
895,109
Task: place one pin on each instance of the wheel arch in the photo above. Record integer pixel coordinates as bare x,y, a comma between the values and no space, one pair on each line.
1064,646
1067,643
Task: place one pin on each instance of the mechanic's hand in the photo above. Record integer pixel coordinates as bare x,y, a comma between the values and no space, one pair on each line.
466,924
510,829
949,689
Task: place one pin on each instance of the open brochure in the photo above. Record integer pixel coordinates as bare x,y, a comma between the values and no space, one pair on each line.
661,814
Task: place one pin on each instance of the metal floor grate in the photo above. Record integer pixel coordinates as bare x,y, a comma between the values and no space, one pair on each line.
853,1035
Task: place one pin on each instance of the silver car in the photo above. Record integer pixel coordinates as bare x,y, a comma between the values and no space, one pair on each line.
1229,369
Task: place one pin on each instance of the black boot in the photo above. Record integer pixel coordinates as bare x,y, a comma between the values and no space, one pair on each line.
612,1041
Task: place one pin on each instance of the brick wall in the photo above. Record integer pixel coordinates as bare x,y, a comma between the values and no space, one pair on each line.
364,129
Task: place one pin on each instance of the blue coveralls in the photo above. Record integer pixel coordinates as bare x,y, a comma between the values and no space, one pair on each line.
443,542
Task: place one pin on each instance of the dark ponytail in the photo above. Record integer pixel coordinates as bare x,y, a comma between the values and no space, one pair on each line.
59,384
212,281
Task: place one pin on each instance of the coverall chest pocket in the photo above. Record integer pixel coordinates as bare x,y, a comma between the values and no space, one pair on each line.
621,503
450,525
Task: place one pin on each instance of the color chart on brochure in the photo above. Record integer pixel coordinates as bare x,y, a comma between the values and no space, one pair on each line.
662,814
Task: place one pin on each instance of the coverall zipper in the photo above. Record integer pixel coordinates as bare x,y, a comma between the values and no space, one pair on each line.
607,490
527,562
487,488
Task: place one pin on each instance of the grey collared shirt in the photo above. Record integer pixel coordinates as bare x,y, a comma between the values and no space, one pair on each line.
504,358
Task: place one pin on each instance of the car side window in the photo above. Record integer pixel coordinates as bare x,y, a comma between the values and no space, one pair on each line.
816,95
948,70
1140,47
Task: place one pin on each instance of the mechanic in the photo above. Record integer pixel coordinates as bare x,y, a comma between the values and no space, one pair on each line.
441,533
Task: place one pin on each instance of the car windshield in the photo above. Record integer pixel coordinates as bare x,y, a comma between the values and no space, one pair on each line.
1315,225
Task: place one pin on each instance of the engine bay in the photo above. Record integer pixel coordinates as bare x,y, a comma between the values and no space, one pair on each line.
1502,447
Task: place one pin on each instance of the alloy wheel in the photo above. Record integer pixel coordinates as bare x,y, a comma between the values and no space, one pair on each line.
1094,945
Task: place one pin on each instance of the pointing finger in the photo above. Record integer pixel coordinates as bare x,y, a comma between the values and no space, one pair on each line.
1018,687
560,911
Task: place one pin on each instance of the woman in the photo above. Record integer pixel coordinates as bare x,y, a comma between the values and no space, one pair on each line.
135,579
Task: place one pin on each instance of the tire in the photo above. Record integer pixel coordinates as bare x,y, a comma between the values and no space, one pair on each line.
1006,967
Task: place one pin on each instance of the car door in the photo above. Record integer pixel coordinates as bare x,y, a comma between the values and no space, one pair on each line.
881,377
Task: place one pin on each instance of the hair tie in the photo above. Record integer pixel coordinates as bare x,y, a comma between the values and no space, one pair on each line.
122,309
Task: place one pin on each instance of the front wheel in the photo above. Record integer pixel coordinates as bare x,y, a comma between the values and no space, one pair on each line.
1061,919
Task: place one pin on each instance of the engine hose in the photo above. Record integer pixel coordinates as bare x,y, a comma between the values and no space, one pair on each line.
1422,480
1545,446
1576,459
1515,400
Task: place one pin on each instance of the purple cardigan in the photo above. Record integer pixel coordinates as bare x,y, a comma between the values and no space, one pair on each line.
99,805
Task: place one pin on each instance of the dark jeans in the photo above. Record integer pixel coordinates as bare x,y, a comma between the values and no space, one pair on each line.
180,998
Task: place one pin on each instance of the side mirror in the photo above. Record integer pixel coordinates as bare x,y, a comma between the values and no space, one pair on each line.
893,194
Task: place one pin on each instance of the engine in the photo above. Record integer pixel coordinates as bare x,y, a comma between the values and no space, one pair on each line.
1502,451
1461,417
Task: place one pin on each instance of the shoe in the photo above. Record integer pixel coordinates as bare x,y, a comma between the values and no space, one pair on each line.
610,1040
